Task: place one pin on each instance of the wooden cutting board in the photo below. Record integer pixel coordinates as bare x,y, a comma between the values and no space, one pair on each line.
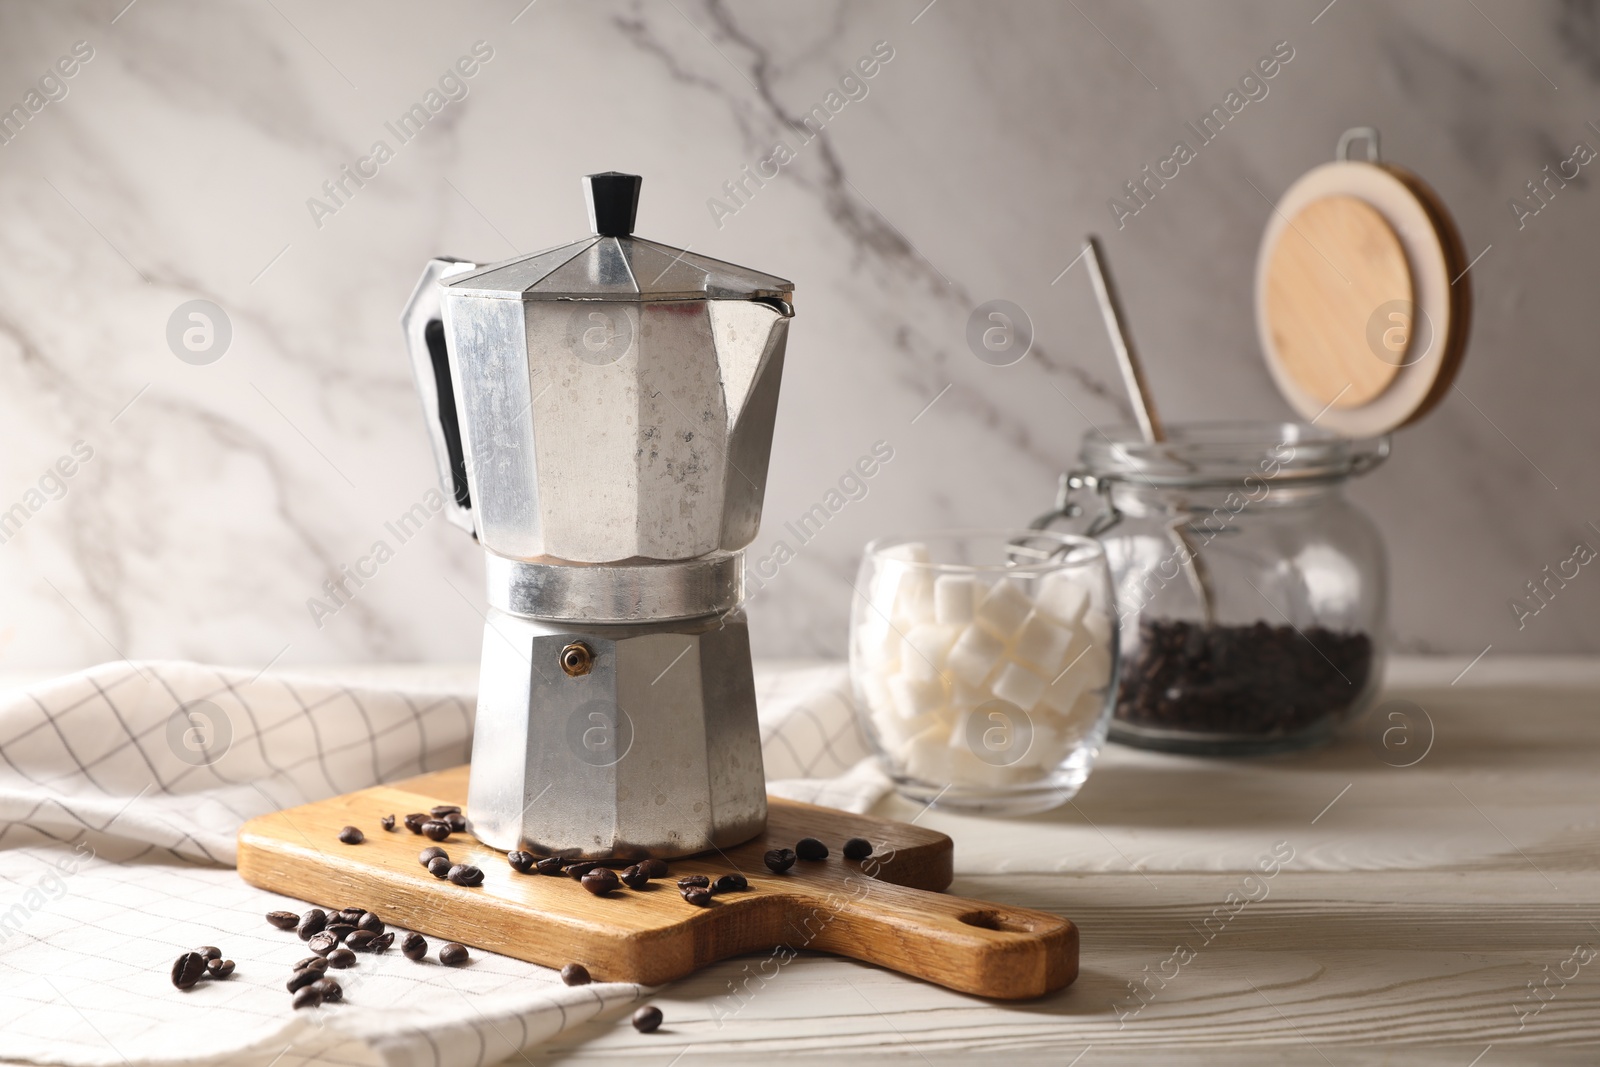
886,910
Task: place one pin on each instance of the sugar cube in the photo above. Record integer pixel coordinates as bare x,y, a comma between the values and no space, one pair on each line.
923,654
913,697
1041,643
1019,685
1002,610
954,598
1062,596
975,655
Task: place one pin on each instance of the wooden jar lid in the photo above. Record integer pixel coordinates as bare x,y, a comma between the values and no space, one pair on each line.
1362,306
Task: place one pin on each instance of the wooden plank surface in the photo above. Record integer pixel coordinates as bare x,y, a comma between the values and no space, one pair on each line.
1419,905
887,909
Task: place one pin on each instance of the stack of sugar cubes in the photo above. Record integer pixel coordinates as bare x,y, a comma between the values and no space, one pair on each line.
934,647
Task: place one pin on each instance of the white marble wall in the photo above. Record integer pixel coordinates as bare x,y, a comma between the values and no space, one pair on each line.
219,498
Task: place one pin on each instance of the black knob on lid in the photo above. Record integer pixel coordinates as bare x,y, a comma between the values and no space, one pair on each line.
613,202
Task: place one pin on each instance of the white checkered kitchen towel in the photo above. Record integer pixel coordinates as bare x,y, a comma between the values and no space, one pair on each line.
117,829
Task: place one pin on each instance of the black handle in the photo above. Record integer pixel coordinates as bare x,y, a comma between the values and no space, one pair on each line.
613,202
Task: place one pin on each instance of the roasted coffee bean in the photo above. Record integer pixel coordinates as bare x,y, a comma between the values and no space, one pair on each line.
778,860
415,820
647,1019
427,854
283,920
521,862
465,874
635,878
415,946
300,979
387,822
210,952
434,830
1260,680
312,963
456,821
341,958
699,896
601,881
352,835
550,865
382,942
220,968
857,848
328,988
578,870
654,868
440,866
439,811
188,969
809,848
360,941
311,924
370,921
691,881
351,916
575,974
323,943
307,998
730,883
452,954
339,931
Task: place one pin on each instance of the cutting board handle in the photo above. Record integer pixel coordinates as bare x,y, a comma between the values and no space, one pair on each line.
973,946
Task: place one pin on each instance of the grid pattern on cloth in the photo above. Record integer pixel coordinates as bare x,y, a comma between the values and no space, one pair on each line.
121,791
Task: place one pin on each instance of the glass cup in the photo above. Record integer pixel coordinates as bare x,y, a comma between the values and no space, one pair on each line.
984,664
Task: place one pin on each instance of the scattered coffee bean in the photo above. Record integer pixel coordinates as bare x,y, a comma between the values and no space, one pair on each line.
465,874
360,941
328,988
601,881
456,821
654,868
697,895
778,860
578,870
691,881
575,974
521,862
188,969
307,998
338,931
341,958
387,822
312,963
210,952
352,835
348,915
426,855
857,848
1260,679
220,968
440,866
439,811
382,942
323,943
550,865
452,954
283,920
635,878
809,848
434,830
647,1019
415,820
311,924
370,921
300,979
730,883
415,946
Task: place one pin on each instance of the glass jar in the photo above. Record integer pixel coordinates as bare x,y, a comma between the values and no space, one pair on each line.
983,665
1251,594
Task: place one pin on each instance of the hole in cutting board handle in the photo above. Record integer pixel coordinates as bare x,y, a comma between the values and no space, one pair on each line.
998,921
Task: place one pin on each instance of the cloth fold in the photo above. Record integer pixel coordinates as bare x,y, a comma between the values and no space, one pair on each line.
121,791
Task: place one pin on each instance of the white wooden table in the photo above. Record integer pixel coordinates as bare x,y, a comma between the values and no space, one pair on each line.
1436,912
